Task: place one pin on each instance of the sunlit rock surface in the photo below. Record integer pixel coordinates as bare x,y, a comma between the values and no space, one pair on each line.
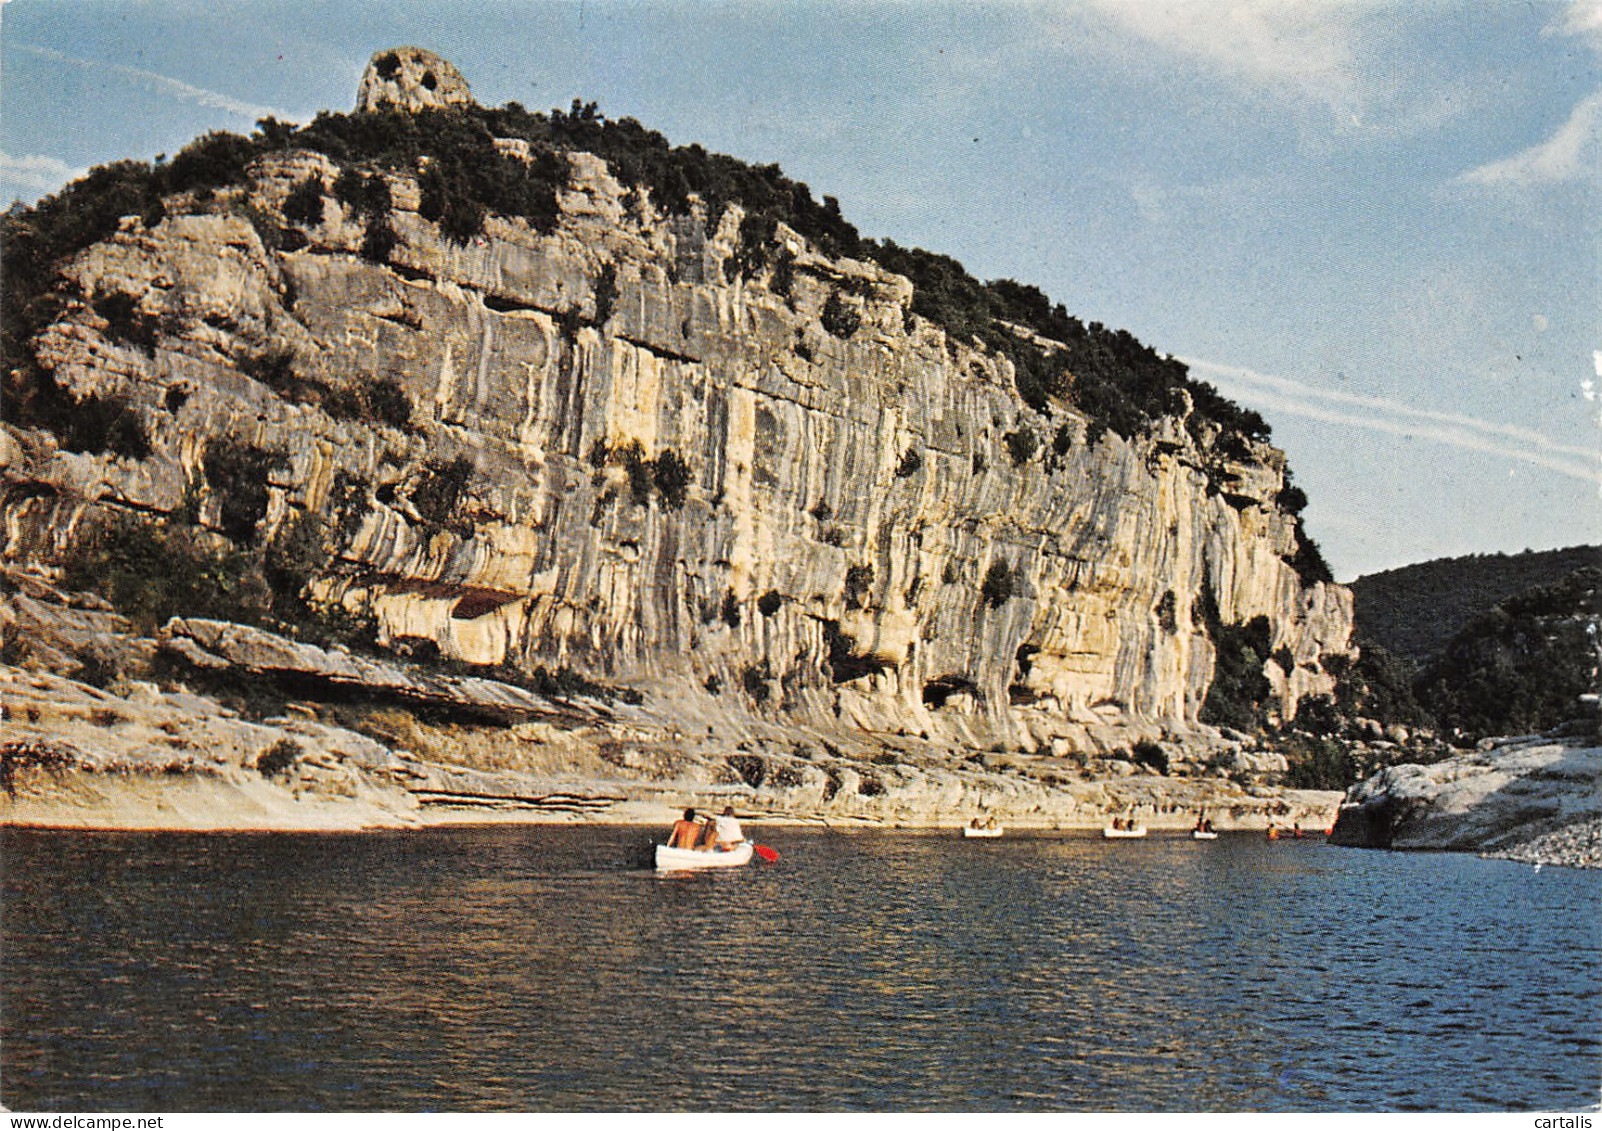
844,500
1533,798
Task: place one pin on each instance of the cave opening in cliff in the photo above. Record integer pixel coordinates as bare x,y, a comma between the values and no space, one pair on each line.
1019,692
937,691
844,664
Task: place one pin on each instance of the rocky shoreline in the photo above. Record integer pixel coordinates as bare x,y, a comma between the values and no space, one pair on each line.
1576,846
213,726
80,757
1533,798
209,725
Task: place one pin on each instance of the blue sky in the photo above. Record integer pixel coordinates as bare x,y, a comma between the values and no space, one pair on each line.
1376,223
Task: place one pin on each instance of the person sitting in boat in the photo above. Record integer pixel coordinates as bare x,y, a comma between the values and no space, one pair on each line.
686,831
727,832
709,835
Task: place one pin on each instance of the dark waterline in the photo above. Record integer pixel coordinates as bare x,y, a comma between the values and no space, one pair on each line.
534,969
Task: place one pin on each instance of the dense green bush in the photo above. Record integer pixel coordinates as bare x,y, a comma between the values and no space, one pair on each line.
125,322
93,423
1146,753
1378,686
1240,692
1021,444
1308,560
304,204
237,474
383,399
368,399
1414,611
278,758
1318,714
438,494
1522,666
671,476
755,679
1318,763
839,318
858,586
378,242
151,572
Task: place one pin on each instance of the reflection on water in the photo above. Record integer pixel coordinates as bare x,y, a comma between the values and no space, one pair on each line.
536,968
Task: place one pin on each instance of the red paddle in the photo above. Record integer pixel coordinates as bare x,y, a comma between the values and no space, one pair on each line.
765,852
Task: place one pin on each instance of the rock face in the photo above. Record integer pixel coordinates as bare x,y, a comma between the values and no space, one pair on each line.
619,455
1508,794
248,730
410,78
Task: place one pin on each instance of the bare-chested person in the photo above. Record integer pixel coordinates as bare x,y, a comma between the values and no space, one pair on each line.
686,831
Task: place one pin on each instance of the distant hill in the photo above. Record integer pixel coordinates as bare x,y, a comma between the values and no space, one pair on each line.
1414,611
1521,666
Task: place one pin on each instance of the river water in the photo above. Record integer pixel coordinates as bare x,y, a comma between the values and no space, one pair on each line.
538,968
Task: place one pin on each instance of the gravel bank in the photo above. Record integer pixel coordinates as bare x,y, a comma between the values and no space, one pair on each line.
1574,846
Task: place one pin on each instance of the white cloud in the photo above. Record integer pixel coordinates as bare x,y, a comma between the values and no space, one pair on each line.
1378,414
37,172
1309,46
1582,18
163,85
1572,153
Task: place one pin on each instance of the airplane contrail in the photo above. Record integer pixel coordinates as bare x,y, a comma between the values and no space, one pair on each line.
164,84
1378,414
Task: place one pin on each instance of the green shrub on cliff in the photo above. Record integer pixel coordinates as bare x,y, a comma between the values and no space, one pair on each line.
304,204
839,319
671,476
999,584
237,474
1318,763
151,572
1239,694
90,423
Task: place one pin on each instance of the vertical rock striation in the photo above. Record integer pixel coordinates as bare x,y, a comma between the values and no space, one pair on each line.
599,444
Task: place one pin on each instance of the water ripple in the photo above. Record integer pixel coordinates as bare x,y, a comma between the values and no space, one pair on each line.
514,969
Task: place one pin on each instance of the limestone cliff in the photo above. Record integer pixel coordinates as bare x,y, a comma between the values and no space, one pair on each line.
600,442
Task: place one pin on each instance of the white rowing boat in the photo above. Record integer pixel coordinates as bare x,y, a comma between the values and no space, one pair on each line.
1201,834
686,859
1124,834
992,831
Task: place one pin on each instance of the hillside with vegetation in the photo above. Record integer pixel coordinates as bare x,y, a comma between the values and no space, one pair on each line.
1480,651
1522,666
1414,611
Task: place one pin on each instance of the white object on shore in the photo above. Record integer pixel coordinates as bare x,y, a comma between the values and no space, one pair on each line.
1200,834
992,831
1124,834
687,859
